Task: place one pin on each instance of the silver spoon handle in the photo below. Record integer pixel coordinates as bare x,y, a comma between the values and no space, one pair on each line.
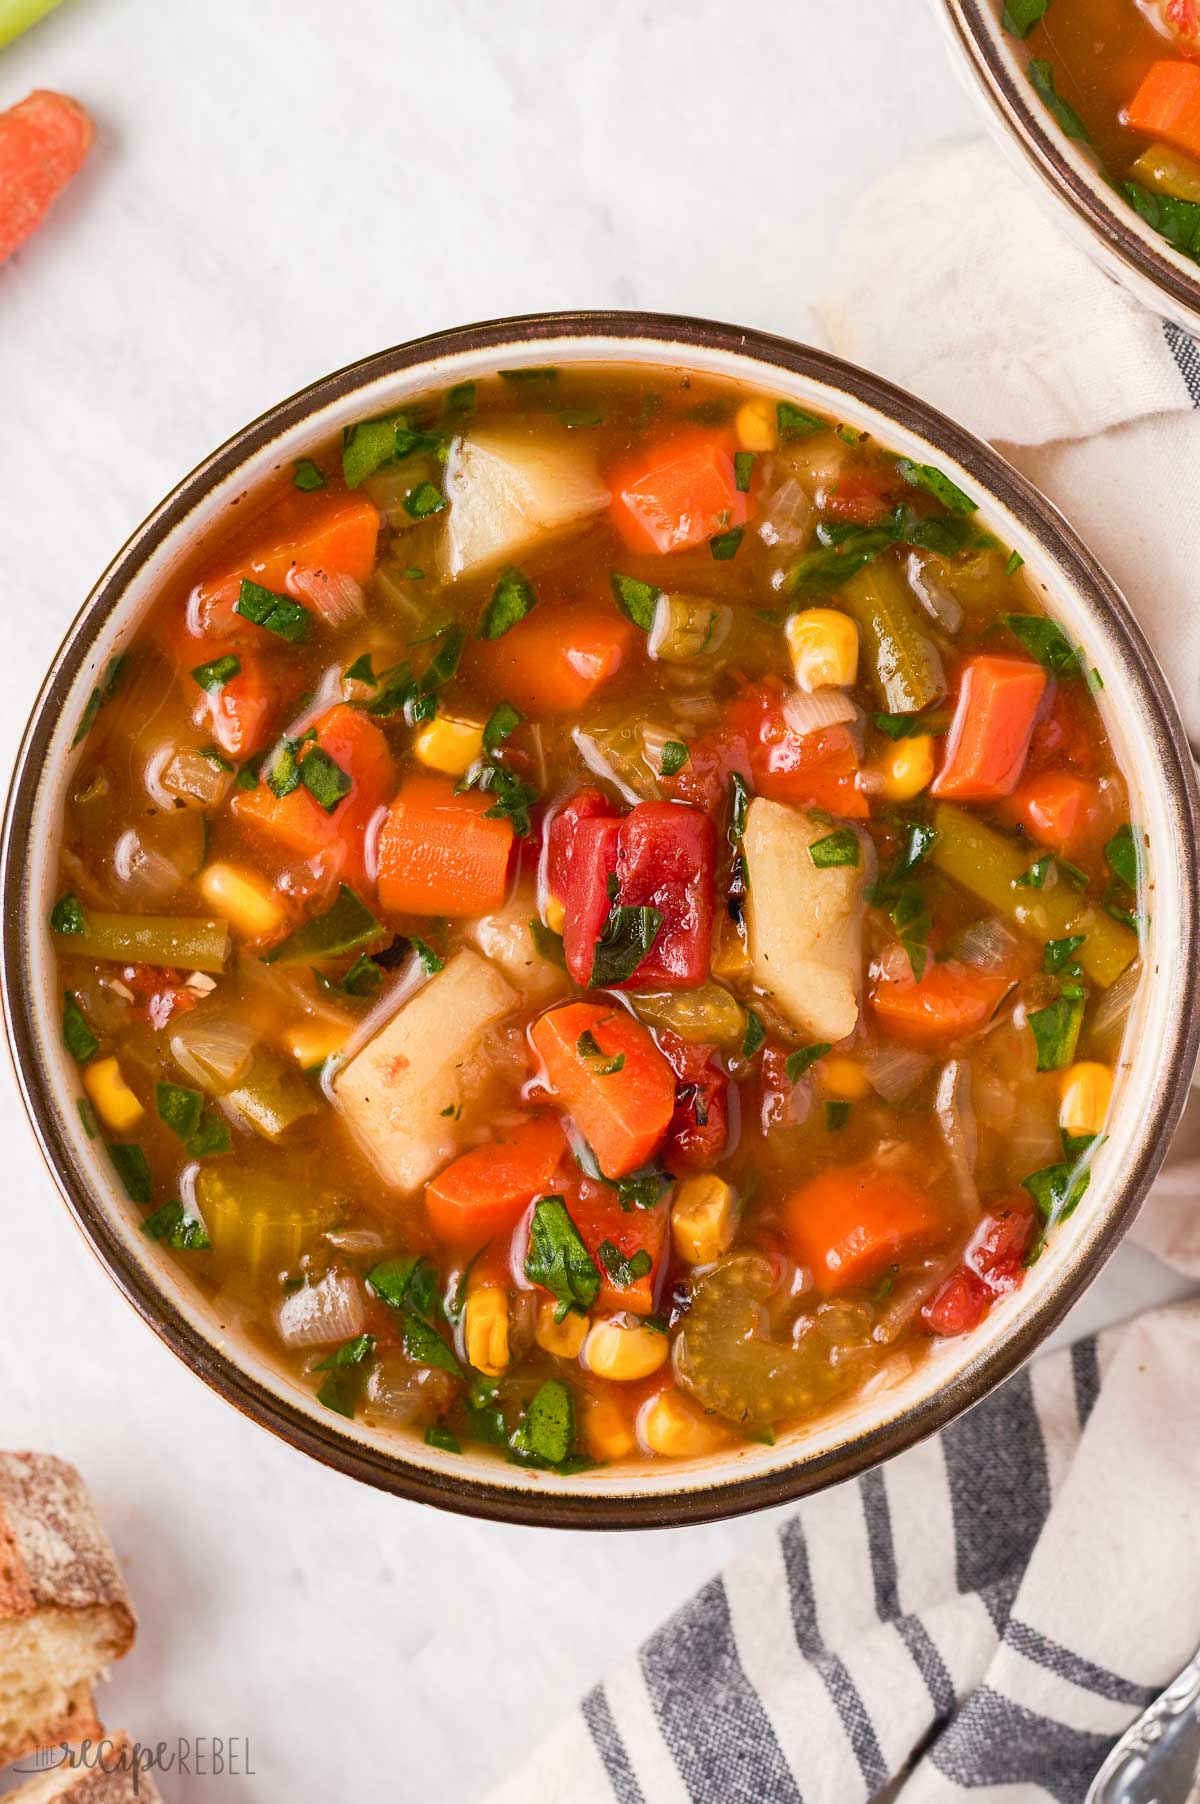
1159,1755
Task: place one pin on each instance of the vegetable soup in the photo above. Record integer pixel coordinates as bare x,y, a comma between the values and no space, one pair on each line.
1124,77
597,919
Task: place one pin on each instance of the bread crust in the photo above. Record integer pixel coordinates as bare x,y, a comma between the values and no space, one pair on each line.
54,1555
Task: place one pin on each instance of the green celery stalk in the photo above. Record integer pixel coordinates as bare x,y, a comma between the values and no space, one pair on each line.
905,665
988,864
17,16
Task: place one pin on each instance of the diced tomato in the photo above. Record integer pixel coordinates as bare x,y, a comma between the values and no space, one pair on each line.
44,140
597,1213
439,855
585,804
160,993
992,1266
812,770
989,737
554,660
678,494
483,1193
243,713
1057,808
622,1098
662,856
699,1128
1065,732
325,530
950,1000
861,497
849,1223
298,821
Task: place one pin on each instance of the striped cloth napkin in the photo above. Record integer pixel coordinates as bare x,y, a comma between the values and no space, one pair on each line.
982,1617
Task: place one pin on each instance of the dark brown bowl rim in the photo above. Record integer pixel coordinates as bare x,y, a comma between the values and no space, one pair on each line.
394,1474
1032,131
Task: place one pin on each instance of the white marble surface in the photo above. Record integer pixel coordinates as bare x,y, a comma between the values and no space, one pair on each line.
280,186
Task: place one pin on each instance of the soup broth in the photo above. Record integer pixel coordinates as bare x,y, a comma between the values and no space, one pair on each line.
597,918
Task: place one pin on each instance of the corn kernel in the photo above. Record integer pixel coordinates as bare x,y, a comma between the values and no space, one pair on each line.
243,899
756,426
624,1353
564,1338
313,1040
487,1330
112,1099
843,1079
906,767
448,745
607,1431
672,1425
556,915
1086,1097
824,648
702,1218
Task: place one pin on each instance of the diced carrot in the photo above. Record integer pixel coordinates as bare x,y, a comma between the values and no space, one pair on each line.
438,855
44,140
1056,807
993,722
622,1113
847,1225
324,530
1167,105
483,1193
554,660
241,715
599,1217
679,493
949,1001
298,821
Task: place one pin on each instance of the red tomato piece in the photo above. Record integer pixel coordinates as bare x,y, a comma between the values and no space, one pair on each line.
861,497
678,494
584,805
597,1213
660,856
812,770
160,993
699,1128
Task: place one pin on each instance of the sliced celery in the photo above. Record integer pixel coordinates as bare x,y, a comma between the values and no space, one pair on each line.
186,942
271,1097
17,16
346,927
257,1221
990,865
707,1015
905,665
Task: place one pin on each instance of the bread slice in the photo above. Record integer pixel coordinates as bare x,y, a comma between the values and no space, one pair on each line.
110,1781
64,1612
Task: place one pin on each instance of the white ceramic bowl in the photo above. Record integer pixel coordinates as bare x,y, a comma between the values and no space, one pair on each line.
1068,175
1151,1085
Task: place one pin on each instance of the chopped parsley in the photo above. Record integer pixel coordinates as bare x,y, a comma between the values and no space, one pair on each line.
173,1227
133,1169
637,600
1042,76
625,939
307,475
624,1272
346,1369
502,723
937,484
423,501
840,847
67,916
431,961
346,927
1045,640
797,422
837,1114
798,1062
326,782
599,1063
558,1260
726,544
547,943
103,693
512,598
77,1034
743,470
277,614
545,1434
1014,563
214,676
1055,1029
1020,16
179,1108
754,1035
673,757
1058,954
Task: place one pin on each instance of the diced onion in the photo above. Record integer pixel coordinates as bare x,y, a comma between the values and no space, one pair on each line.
788,514
213,1050
1034,1142
813,710
321,1314
178,773
956,1118
600,766
933,595
145,874
688,626
1112,1008
397,594
894,1071
336,597
989,944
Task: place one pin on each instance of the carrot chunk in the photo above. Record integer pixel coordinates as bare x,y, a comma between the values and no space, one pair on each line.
44,140
483,1193
438,855
601,1221
604,1067
679,494
849,1224
242,712
554,660
326,530
300,822
949,1001
1167,105
993,722
1056,807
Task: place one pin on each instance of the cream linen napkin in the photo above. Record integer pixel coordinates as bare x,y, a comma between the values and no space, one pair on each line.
981,1618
